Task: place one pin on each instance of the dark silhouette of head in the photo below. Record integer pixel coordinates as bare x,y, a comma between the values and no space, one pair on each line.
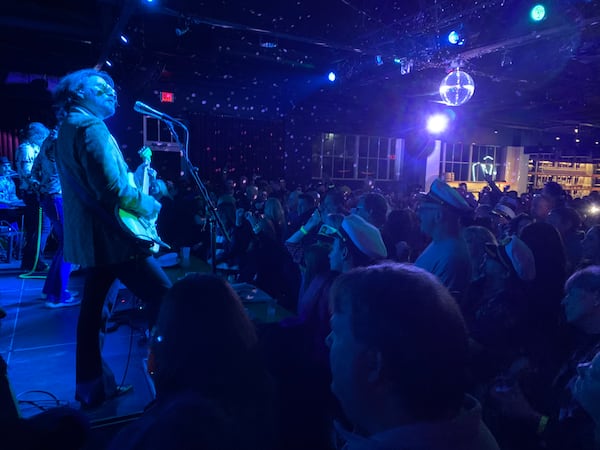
203,339
412,342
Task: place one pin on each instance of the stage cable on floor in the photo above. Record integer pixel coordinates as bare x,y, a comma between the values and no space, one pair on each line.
41,404
129,352
29,275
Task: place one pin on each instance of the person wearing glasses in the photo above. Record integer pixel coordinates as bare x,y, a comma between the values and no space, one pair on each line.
95,182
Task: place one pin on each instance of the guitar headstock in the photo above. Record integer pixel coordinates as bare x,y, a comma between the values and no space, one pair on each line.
146,154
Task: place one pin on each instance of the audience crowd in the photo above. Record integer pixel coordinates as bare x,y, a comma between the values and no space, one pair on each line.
438,320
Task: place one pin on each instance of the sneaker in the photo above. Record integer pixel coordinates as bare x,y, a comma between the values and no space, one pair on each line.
71,301
44,296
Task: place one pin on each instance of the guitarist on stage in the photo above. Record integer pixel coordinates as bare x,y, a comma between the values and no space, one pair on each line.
95,183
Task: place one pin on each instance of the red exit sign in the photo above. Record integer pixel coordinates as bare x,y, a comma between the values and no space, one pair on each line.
167,97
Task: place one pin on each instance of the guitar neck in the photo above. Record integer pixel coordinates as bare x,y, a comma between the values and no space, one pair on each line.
146,179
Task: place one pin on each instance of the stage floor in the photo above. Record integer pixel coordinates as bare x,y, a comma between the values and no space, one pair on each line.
38,345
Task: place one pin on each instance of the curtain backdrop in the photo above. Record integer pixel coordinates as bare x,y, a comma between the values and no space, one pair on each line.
9,141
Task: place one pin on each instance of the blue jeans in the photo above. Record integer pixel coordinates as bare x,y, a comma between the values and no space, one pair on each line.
145,279
55,286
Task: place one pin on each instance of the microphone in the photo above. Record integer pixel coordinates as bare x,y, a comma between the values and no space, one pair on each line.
142,108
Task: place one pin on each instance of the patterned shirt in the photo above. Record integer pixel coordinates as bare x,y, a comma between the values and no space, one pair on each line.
8,190
24,158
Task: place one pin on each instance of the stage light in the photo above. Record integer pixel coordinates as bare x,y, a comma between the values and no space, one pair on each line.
397,60
268,44
437,123
379,60
331,76
124,39
538,13
455,38
108,63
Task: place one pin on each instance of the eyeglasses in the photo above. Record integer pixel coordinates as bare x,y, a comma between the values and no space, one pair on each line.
105,89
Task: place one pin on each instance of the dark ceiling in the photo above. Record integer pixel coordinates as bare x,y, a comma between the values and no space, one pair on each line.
267,59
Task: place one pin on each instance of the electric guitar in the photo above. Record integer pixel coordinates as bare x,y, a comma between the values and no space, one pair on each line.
141,228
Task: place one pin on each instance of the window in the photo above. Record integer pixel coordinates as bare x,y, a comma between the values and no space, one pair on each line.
472,162
352,157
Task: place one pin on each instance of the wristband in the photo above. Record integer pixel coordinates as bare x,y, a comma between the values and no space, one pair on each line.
543,423
303,230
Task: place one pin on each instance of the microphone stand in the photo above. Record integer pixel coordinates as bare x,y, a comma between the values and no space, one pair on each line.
214,218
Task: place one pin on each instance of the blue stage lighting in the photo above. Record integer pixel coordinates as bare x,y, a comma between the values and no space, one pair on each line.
453,37
456,38
124,39
437,123
331,76
538,13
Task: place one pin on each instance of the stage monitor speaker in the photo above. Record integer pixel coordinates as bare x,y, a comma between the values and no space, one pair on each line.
168,164
122,307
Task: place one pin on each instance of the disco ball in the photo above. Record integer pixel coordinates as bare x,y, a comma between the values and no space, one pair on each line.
457,88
